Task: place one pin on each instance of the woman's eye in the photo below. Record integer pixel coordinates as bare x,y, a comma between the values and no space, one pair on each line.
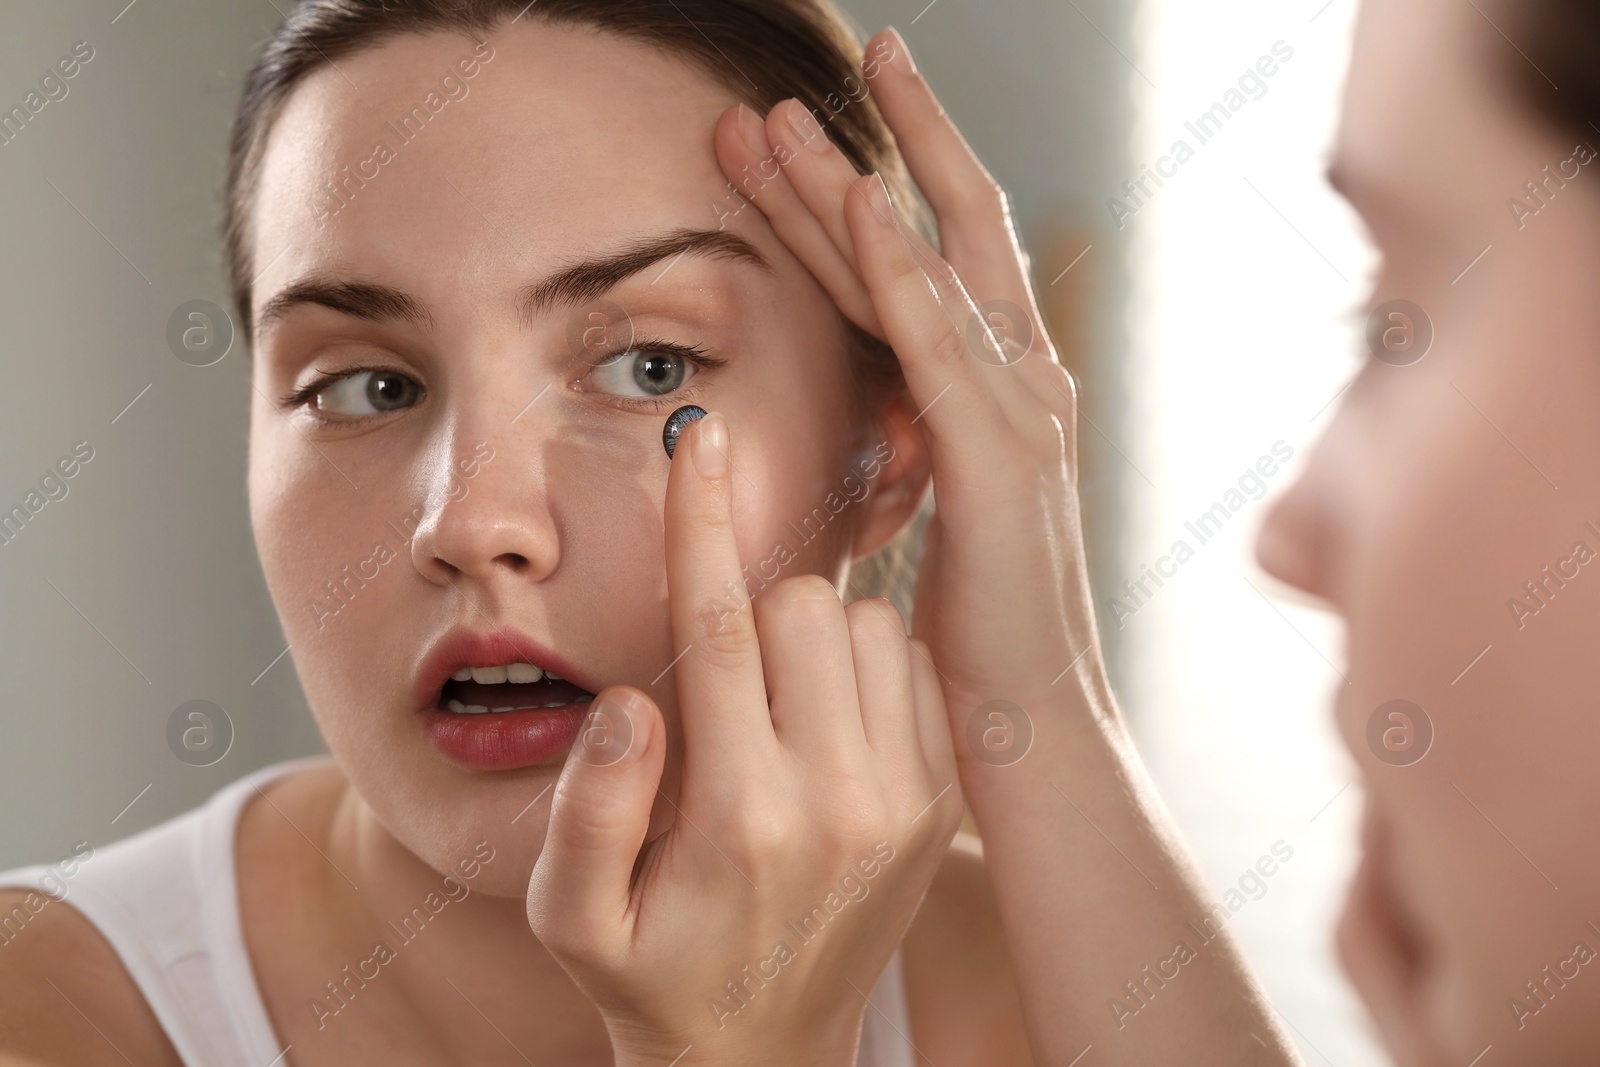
642,372
369,392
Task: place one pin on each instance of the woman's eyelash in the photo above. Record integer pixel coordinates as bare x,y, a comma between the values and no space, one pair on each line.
692,353
324,379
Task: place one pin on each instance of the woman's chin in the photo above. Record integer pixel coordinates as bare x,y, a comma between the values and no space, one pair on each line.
1383,954
485,831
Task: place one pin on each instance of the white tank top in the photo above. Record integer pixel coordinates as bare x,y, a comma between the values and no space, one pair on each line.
167,902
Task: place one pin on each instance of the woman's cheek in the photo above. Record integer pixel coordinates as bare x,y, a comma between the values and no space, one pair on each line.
602,489
334,560
281,488
796,505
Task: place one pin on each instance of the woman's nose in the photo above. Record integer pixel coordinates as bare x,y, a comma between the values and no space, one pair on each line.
1292,543
486,518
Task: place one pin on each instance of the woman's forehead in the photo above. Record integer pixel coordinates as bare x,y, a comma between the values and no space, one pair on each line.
535,140
1429,116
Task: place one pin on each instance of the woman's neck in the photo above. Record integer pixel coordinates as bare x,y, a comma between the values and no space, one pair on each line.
359,945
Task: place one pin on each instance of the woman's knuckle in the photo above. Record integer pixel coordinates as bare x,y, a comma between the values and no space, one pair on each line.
804,592
875,623
949,346
805,602
1055,386
986,198
760,834
1044,435
901,262
721,632
853,818
991,202
1013,469
1069,381
945,279
951,817
585,819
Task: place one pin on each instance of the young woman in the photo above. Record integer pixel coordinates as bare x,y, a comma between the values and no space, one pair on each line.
1449,515
484,252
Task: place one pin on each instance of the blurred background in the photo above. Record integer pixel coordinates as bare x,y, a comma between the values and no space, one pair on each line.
1207,297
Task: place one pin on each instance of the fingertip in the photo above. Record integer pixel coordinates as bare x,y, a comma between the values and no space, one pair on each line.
620,725
902,56
870,215
727,122
697,485
711,446
887,47
645,714
789,129
752,130
728,144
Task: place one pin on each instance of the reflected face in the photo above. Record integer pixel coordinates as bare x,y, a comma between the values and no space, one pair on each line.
454,430
1451,515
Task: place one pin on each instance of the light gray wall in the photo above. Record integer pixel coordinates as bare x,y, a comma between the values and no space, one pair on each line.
139,590
1043,91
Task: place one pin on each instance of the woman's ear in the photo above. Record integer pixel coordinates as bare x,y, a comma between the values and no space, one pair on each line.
896,467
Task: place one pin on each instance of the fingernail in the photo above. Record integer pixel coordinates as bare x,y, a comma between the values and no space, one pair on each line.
878,197
902,52
806,128
753,132
711,446
611,733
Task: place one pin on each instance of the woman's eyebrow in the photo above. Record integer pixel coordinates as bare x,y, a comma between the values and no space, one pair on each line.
590,278
571,284
363,300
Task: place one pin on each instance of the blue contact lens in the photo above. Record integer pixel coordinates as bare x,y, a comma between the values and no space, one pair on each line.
675,424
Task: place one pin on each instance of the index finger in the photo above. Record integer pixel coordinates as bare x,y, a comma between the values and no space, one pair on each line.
722,694
975,231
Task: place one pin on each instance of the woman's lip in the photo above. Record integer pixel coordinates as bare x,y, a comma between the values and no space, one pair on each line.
461,647
504,740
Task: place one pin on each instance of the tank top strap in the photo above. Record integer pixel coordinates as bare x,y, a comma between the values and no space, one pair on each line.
166,900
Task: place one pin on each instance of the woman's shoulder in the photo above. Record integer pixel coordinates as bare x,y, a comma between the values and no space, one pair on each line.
962,995
65,996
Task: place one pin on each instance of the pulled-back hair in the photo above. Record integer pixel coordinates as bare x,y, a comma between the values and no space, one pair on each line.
1555,61
762,51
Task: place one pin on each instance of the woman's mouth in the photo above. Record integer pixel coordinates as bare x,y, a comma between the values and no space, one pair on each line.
505,717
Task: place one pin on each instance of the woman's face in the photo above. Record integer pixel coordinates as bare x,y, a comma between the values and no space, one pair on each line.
477,464
1442,489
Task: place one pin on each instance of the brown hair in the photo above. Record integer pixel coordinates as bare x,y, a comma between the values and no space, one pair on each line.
762,51
1558,76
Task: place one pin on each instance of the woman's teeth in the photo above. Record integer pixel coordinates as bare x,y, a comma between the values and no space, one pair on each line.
520,673
478,709
501,674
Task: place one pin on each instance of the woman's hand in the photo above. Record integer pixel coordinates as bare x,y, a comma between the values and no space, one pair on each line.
1002,597
808,827
1092,884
